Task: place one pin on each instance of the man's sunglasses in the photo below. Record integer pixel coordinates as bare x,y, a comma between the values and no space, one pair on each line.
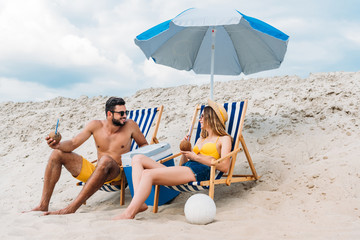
121,112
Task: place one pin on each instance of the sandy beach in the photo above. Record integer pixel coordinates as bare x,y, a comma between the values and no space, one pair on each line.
302,133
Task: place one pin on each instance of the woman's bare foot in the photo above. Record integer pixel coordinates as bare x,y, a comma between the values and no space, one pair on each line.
143,208
124,215
127,215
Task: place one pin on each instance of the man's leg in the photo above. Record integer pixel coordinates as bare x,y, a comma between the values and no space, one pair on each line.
57,159
106,170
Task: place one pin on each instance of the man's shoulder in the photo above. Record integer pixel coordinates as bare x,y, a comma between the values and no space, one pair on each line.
131,124
95,124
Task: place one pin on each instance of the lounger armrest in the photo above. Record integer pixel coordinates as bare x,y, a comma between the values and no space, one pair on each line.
154,140
213,163
231,154
169,158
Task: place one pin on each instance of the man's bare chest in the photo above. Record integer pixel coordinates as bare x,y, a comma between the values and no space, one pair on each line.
116,143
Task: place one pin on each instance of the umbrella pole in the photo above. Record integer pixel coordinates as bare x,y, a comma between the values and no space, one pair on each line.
213,33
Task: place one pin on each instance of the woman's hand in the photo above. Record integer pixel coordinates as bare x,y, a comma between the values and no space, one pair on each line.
186,138
189,155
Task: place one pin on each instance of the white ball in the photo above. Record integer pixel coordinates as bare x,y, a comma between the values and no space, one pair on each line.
200,209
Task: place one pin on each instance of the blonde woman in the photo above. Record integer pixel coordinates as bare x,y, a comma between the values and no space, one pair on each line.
194,165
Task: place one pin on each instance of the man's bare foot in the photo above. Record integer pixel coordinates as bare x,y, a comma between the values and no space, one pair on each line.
127,215
38,208
60,212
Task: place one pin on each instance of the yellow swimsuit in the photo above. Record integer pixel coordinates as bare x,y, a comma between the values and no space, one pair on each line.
201,171
208,149
87,170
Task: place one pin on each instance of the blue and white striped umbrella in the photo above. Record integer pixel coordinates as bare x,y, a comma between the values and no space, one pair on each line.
215,41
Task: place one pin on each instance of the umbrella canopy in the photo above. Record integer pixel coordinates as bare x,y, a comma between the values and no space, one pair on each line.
215,41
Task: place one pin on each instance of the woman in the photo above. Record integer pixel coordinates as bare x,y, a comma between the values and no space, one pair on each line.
194,165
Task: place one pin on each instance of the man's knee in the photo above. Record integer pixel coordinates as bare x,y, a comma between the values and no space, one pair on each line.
106,162
56,155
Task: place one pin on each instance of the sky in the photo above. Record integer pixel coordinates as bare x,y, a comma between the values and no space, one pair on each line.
86,47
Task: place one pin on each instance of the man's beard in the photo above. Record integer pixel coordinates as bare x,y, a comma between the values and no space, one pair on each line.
117,123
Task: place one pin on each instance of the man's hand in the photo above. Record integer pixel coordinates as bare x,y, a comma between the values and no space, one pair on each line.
52,143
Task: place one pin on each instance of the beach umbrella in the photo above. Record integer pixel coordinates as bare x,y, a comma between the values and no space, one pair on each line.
219,41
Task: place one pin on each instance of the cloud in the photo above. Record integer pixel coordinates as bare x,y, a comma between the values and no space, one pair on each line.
352,35
15,90
29,31
37,33
79,52
87,47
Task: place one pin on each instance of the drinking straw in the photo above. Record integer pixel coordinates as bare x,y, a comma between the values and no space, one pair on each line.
57,124
189,135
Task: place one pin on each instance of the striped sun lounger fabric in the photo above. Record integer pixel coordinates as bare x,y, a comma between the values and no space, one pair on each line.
144,118
234,111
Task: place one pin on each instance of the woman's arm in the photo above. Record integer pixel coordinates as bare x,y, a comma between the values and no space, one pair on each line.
225,147
225,142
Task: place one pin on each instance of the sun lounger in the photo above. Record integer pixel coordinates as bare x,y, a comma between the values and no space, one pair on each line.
236,112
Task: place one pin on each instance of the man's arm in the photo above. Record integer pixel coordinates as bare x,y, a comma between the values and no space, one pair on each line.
137,135
75,142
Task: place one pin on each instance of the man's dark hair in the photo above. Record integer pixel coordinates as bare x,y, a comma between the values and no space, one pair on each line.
112,102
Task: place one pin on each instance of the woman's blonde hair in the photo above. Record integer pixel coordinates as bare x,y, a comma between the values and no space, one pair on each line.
212,121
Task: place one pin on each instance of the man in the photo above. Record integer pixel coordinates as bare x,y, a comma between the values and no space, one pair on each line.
112,138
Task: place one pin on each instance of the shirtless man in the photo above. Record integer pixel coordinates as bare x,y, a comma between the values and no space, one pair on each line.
112,138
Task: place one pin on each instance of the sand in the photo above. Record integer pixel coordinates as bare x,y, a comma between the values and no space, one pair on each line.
303,136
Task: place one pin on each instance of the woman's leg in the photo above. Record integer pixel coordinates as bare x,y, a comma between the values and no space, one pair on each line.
138,164
157,176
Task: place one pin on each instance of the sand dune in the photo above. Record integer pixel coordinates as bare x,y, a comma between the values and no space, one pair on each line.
303,135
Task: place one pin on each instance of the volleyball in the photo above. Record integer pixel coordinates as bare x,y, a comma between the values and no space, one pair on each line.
200,209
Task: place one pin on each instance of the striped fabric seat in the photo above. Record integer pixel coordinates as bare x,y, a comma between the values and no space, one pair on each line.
105,187
193,186
110,188
145,119
234,111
